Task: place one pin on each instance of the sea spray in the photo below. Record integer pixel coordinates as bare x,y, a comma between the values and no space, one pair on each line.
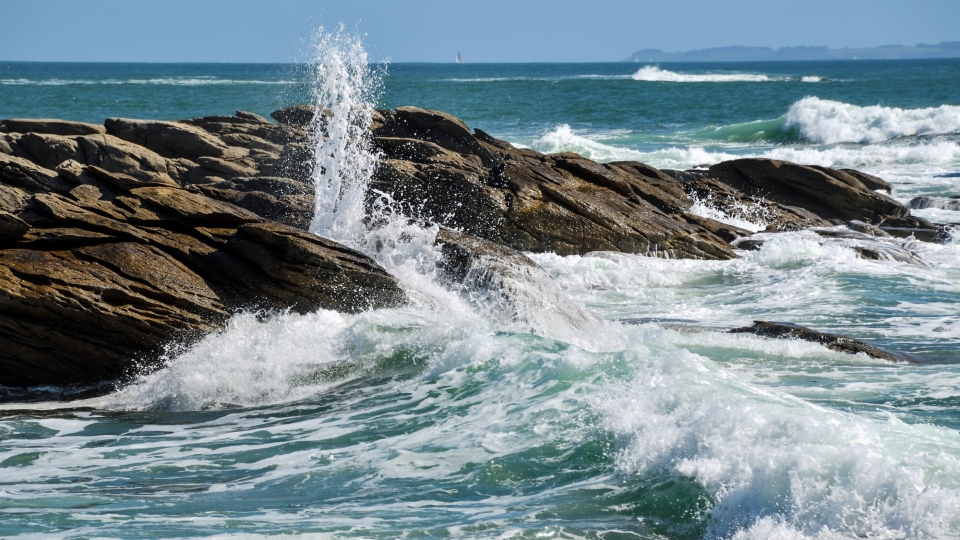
751,217
345,87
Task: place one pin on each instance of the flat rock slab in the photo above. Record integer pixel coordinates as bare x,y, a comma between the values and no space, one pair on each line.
50,126
834,342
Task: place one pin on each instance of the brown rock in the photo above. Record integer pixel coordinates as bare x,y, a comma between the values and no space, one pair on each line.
11,227
23,174
49,151
297,115
827,193
251,117
68,317
50,126
311,271
99,280
119,156
869,181
528,201
171,139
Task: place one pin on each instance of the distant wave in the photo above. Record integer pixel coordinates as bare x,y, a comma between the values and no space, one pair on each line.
830,122
653,73
812,78
170,81
549,79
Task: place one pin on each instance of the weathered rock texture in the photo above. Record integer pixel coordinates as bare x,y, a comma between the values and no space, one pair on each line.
562,203
108,254
120,239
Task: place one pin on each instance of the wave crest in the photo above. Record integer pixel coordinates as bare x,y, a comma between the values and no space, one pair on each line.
825,121
655,74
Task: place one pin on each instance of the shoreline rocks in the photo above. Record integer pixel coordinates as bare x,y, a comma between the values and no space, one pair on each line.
119,240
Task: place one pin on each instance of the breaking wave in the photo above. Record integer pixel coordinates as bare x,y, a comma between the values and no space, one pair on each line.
940,153
655,74
824,121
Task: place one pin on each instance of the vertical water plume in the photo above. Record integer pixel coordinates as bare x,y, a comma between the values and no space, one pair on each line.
345,86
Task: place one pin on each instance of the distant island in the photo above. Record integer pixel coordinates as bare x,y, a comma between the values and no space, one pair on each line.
947,49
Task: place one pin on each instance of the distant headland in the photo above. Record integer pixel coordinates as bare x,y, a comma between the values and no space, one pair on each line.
947,49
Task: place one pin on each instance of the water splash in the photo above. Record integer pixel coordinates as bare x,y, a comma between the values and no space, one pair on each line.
344,87
751,217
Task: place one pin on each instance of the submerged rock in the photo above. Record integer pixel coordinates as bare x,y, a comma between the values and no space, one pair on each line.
943,203
834,342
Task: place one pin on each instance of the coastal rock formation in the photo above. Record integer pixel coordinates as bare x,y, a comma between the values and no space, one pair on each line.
833,342
122,240
435,167
100,271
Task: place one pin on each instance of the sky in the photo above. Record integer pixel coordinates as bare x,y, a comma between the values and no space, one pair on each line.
435,30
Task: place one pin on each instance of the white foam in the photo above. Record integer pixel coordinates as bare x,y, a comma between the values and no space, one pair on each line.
811,79
940,153
871,155
564,139
655,74
750,217
763,454
829,122
248,363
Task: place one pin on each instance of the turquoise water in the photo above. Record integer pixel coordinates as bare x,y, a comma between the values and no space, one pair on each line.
588,409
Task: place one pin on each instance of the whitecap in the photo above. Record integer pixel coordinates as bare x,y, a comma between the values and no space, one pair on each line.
655,74
826,121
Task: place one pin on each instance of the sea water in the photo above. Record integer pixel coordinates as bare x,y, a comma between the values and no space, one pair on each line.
600,401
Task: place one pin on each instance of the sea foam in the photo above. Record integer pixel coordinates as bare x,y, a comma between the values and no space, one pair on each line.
773,463
655,74
826,121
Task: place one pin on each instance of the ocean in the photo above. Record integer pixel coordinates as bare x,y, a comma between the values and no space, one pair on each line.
605,402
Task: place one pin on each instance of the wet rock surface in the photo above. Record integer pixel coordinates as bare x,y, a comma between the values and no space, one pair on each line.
834,342
110,257
119,240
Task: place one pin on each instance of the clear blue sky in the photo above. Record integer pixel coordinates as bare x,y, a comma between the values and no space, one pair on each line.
434,30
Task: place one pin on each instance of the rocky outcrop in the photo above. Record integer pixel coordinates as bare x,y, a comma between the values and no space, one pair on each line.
171,139
50,126
943,203
833,342
102,271
435,167
827,193
120,241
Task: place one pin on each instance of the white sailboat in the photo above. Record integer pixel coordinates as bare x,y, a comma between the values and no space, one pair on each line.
459,61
